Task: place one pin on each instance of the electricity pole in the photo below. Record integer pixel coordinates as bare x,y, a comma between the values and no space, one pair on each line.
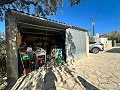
93,24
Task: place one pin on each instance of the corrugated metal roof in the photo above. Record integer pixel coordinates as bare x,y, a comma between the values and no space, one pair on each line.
30,20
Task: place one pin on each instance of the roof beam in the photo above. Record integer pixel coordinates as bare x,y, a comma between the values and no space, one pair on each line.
22,24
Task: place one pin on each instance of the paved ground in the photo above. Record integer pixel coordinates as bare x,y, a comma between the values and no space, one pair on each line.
98,72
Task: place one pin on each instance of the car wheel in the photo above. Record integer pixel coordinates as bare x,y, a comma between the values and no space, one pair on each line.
95,50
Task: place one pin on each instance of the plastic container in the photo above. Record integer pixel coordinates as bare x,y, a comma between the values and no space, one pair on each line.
25,56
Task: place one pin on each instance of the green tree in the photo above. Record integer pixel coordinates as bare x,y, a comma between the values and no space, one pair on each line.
40,7
2,44
115,35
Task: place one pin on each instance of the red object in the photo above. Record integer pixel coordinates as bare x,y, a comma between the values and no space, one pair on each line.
41,61
26,71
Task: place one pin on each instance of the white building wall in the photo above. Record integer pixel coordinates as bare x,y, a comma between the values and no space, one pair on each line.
76,47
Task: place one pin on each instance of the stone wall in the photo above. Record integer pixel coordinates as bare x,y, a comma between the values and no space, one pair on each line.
108,45
118,44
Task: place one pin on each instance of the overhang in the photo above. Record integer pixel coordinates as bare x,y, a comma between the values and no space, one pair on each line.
30,21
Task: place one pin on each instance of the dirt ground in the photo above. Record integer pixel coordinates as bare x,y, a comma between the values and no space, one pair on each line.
97,72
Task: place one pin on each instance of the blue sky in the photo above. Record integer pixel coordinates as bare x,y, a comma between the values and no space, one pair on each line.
107,20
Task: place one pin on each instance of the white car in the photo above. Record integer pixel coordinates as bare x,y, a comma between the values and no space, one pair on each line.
95,47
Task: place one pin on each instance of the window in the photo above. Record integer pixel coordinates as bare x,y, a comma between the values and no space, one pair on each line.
92,42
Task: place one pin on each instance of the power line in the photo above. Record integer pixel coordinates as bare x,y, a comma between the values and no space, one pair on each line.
109,21
93,24
100,9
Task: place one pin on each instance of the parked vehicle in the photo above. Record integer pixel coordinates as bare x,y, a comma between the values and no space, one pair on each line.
95,47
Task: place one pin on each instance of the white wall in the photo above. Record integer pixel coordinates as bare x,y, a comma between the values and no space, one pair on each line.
76,47
104,40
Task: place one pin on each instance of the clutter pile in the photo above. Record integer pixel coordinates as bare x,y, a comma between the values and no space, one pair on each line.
33,59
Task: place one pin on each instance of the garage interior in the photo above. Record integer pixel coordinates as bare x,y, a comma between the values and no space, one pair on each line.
43,37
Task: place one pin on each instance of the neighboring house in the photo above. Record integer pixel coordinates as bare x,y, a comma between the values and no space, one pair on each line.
42,32
104,40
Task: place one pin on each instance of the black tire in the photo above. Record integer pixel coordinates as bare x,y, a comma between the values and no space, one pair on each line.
95,50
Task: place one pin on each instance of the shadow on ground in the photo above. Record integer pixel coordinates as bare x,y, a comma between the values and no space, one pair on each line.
86,84
36,81
49,80
114,50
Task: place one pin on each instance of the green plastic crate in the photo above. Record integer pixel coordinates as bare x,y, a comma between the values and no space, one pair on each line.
26,56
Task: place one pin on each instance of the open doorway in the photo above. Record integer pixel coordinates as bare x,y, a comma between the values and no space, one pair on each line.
39,39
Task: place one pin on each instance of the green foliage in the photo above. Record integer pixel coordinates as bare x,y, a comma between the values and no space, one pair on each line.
40,7
2,44
91,38
115,35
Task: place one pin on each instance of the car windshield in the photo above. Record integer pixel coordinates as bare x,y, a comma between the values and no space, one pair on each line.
92,42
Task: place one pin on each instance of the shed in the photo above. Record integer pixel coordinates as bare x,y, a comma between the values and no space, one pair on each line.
42,32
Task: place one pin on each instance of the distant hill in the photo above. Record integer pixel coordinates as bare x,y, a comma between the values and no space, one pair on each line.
115,35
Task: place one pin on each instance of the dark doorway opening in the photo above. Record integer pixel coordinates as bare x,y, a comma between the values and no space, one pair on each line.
46,39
